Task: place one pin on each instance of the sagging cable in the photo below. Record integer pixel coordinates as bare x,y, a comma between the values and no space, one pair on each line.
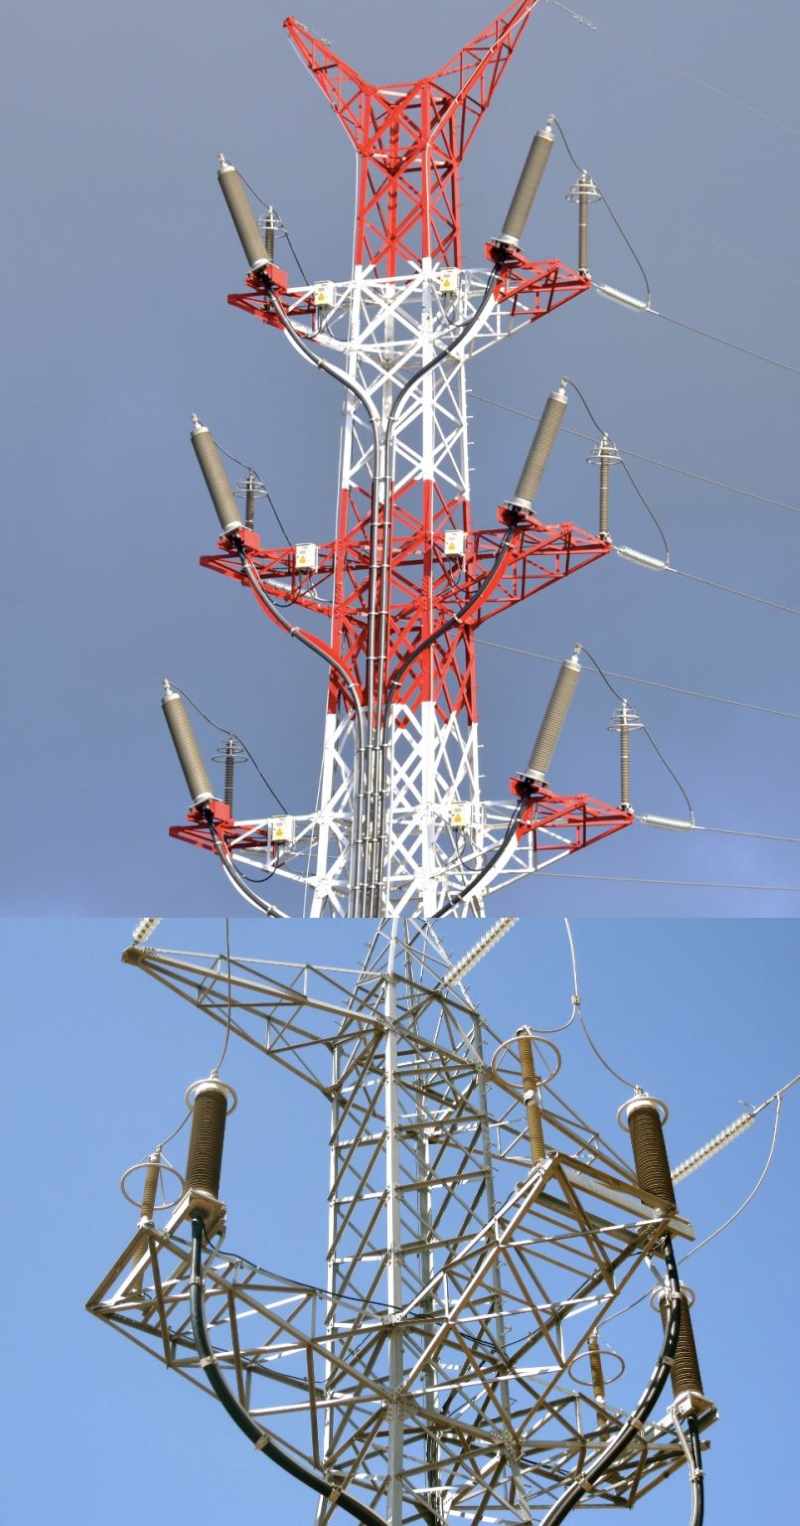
593,1473
260,1438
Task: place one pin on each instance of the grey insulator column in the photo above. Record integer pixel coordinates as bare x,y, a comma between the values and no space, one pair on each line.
527,186
541,447
216,477
586,193
604,458
553,721
186,747
242,214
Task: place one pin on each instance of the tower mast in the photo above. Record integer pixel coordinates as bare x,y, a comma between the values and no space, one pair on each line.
401,822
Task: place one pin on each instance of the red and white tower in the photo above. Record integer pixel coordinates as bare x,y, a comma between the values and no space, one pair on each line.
393,601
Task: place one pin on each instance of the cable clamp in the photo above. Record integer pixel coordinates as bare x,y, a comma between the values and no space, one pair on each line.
208,1361
263,1441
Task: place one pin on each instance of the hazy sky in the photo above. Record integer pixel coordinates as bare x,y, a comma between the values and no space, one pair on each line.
99,1060
120,257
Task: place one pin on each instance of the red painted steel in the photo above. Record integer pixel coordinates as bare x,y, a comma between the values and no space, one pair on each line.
410,140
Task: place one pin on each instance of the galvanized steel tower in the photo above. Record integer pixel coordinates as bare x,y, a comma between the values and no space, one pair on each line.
453,1363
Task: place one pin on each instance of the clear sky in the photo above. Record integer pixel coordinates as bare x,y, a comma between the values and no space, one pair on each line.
116,329
702,1014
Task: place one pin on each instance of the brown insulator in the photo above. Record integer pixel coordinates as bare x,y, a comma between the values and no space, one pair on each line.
686,1377
643,1116
151,1186
204,1162
530,1083
243,218
596,1368
541,447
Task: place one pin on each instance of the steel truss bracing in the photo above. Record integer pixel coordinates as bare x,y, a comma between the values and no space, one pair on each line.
392,603
452,1364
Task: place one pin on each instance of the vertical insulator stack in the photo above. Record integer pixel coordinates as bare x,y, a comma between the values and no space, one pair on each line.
230,770
250,500
204,1161
216,478
644,1120
527,187
152,1175
596,1369
186,747
686,1377
541,447
530,1083
553,720
242,215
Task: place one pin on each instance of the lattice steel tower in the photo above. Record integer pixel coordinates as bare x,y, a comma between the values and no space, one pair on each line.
453,1365
406,581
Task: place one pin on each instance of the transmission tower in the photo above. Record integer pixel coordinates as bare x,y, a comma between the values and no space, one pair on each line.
400,823
453,1362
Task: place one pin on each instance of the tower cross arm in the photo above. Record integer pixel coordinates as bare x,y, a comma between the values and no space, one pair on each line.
467,81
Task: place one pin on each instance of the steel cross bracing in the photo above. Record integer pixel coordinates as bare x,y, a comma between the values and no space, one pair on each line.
440,1371
400,822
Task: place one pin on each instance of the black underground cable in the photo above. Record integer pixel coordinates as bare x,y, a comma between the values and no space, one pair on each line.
581,1486
239,1415
698,1482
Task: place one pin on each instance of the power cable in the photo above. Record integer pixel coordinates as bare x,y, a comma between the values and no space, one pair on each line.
609,209
647,733
577,1004
650,683
225,732
626,469
752,598
635,455
267,494
634,879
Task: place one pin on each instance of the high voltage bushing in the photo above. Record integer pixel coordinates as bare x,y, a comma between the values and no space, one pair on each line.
644,1118
210,1102
185,743
530,1084
527,187
216,478
242,215
541,447
553,720
596,1370
584,192
624,722
605,455
686,1378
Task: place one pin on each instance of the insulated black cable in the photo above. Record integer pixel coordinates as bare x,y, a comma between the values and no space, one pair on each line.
457,618
576,1491
698,1482
260,1438
412,381
231,873
468,890
352,386
299,635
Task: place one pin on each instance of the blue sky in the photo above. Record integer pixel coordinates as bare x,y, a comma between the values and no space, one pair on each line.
699,1012
120,258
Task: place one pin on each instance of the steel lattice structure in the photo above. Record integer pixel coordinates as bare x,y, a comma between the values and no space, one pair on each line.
448,1367
400,822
